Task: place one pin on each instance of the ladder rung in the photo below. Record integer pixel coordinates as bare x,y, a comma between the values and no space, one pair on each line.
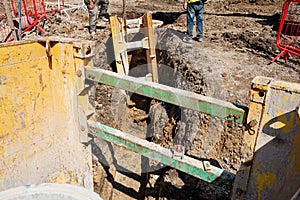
137,44
132,30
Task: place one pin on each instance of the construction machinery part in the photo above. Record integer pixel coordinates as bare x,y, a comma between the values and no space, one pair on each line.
274,170
212,106
156,152
178,151
44,107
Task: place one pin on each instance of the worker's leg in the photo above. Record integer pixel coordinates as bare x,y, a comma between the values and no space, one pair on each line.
199,12
190,19
93,16
103,9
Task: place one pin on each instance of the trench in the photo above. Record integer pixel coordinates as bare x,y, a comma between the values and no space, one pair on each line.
119,173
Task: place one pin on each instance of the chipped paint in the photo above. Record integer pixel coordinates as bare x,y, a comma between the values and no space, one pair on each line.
275,165
264,180
39,134
295,149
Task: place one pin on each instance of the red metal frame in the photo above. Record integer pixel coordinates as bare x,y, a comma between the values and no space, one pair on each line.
5,30
289,30
33,12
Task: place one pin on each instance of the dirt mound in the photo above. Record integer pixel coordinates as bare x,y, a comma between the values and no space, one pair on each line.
203,136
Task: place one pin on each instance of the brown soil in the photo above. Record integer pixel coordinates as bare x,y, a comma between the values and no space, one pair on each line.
239,43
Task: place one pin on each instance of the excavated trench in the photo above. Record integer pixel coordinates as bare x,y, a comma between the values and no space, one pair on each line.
119,172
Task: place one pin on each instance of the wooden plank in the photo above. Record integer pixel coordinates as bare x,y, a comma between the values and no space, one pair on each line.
156,152
150,53
118,43
124,55
209,105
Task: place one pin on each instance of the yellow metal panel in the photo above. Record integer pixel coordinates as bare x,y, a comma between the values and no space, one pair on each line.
21,53
39,130
255,113
274,171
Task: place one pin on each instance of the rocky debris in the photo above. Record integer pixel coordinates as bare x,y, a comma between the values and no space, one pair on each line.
159,120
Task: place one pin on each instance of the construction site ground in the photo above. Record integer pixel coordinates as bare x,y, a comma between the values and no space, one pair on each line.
239,43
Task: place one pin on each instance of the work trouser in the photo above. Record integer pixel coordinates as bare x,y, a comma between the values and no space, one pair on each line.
195,9
101,8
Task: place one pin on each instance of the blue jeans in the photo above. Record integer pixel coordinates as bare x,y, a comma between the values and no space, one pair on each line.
195,10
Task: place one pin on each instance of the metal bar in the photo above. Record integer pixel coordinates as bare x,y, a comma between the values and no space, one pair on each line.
154,151
20,20
137,44
133,30
209,105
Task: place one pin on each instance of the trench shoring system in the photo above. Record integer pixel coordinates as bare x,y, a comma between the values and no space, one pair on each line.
51,120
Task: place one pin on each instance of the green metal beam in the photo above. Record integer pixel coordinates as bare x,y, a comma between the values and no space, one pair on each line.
212,106
156,152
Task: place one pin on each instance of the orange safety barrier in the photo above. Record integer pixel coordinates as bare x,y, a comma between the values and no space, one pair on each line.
289,29
32,13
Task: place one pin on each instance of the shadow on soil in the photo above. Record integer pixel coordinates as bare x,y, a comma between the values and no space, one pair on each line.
96,150
265,20
167,17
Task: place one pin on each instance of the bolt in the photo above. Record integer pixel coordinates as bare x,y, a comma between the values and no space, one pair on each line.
235,116
82,128
79,73
252,123
91,77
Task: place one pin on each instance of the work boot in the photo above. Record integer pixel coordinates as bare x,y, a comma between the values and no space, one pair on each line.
103,18
187,40
199,39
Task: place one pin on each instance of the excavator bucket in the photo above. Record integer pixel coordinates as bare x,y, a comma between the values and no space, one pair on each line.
273,135
43,112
